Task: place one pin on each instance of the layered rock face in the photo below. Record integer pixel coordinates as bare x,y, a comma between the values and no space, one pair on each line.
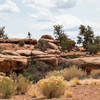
12,63
86,63
16,58
16,41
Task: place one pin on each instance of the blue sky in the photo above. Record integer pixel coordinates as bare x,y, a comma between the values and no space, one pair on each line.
38,16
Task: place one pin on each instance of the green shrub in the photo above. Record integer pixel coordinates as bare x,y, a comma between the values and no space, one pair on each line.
32,74
42,45
7,88
68,73
52,87
74,56
37,71
66,44
21,43
22,84
93,49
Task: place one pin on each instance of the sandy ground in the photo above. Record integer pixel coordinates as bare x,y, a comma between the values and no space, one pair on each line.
80,92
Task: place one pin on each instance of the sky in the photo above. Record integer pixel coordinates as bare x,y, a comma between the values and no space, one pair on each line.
38,16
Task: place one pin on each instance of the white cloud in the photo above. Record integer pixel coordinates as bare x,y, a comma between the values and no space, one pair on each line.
9,6
45,21
50,4
94,24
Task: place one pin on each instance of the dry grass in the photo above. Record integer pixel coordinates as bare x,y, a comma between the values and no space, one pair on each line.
68,73
68,94
22,84
34,91
74,82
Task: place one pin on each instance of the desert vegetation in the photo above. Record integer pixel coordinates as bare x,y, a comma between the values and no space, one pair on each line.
50,68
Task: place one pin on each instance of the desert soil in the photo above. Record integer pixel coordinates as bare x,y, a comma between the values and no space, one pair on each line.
80,92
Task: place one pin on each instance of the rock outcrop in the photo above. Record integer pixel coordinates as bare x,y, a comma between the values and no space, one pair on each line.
45,57
9,52
15,58
47,37
16,41
10,63
18,60
52,46
86,63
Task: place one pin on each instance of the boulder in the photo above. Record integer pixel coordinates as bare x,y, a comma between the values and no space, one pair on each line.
51,60
42,56
24,52
30,52
9,52
51,41
52,46
47,37
37,52
52,51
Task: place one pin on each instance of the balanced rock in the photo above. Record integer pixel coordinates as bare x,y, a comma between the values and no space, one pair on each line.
47,37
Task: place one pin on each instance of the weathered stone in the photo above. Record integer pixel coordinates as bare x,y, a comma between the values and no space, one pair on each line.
86,63
15,41
52,51
24,52
51,60
52,46
10,52
47,37
37,52
10,63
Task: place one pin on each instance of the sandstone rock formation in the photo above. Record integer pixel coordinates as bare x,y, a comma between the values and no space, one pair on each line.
15,41
15,58
52,51
10,63
9,52
52,46
47,37
18,60
86,63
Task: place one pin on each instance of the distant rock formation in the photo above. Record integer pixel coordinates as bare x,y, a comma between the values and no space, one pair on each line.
16,41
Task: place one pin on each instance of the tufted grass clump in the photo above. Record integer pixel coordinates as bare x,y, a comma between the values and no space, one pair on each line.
52,87
68,94
22,84
7,88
